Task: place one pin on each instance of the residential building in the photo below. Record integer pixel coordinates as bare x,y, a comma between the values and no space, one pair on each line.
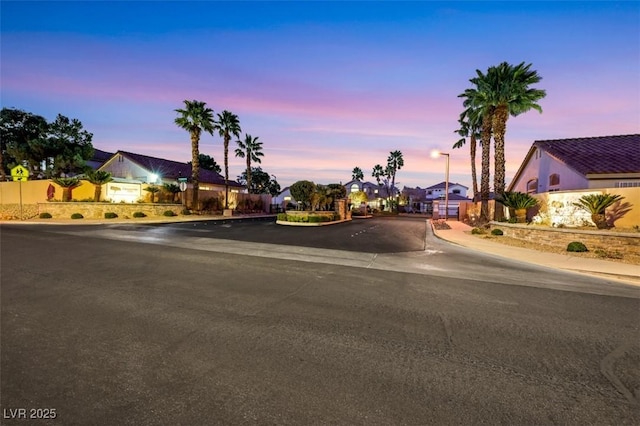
579,163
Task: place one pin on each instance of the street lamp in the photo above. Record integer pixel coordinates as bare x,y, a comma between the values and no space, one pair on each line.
435,154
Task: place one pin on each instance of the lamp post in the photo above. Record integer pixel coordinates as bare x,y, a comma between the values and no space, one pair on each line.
435,154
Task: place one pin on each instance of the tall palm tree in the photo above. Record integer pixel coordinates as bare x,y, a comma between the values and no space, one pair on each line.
195,118
356,174
251,150
470,123
395,162
227,124
476,100
508,90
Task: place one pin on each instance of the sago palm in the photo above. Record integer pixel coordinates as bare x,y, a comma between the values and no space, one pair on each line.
251,150
596,205
68,184
227,124
98,178
195,118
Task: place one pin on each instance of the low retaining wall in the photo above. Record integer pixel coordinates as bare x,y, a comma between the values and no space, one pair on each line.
97,210
561,237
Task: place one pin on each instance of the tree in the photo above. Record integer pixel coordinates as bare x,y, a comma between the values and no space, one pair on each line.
98,178
195,118
596,205
508,91
470,123
153,190
261,182
356,174
302,191
251,150
172,189
207,162
476,101
227,125
335,191
68,147
20,134
395,162
67,185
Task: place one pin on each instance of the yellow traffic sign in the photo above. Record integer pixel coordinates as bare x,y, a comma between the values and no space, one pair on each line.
19,173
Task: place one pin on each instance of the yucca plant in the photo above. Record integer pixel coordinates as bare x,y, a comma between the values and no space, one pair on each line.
597,204
518,201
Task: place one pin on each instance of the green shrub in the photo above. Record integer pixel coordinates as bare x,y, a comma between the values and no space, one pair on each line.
169,213
139,214
45,215
478,231
282,217
315,219
110,215
77,216
497,232
186,212
576,247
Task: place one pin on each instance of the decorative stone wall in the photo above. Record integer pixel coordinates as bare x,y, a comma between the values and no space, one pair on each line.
561,237
97,210
12,211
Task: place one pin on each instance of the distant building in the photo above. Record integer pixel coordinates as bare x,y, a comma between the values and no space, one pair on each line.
579,163
421,200
376,194
99,158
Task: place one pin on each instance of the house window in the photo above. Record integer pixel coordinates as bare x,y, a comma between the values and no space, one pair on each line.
532,186
554,180
456,191
627,184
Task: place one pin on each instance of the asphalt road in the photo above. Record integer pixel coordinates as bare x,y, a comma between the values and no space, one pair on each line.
371,322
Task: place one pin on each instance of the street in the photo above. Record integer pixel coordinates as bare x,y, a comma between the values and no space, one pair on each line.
368,322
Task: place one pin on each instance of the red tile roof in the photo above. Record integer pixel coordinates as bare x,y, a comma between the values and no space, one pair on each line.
596,155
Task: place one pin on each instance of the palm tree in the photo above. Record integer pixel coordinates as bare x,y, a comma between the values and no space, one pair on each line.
508,90
356,174
395,162
173,189
68,185
251,150
470,123
227,125
476,100
98,178
153,190
195,118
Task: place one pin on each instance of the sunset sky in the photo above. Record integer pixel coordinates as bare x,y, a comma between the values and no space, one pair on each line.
326,86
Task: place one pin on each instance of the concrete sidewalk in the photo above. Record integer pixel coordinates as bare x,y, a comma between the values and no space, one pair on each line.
460,234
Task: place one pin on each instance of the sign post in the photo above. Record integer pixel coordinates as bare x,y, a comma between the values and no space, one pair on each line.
19,173
183,187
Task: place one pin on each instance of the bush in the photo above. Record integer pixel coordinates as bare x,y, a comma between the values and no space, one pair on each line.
282,217
139,214
77,216
110,215
576,247
168,213
45,215
186,212
497,232
478,231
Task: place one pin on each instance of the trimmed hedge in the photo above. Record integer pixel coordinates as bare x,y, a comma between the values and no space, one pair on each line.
169,213
45,215
110,215
77,216
497,232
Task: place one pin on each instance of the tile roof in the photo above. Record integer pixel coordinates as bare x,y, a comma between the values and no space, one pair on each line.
174,169
596,155
101,156
442,185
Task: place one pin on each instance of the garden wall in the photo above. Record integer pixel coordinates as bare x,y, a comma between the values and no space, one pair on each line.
97,210
561,237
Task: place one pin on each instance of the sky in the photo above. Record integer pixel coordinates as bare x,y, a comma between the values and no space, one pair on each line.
325,85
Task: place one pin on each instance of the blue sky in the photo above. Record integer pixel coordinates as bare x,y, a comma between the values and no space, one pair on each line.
326,86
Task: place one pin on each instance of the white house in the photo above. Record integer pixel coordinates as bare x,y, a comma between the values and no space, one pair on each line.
579,163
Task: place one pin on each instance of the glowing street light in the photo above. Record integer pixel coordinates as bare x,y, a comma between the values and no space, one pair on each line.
435,154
